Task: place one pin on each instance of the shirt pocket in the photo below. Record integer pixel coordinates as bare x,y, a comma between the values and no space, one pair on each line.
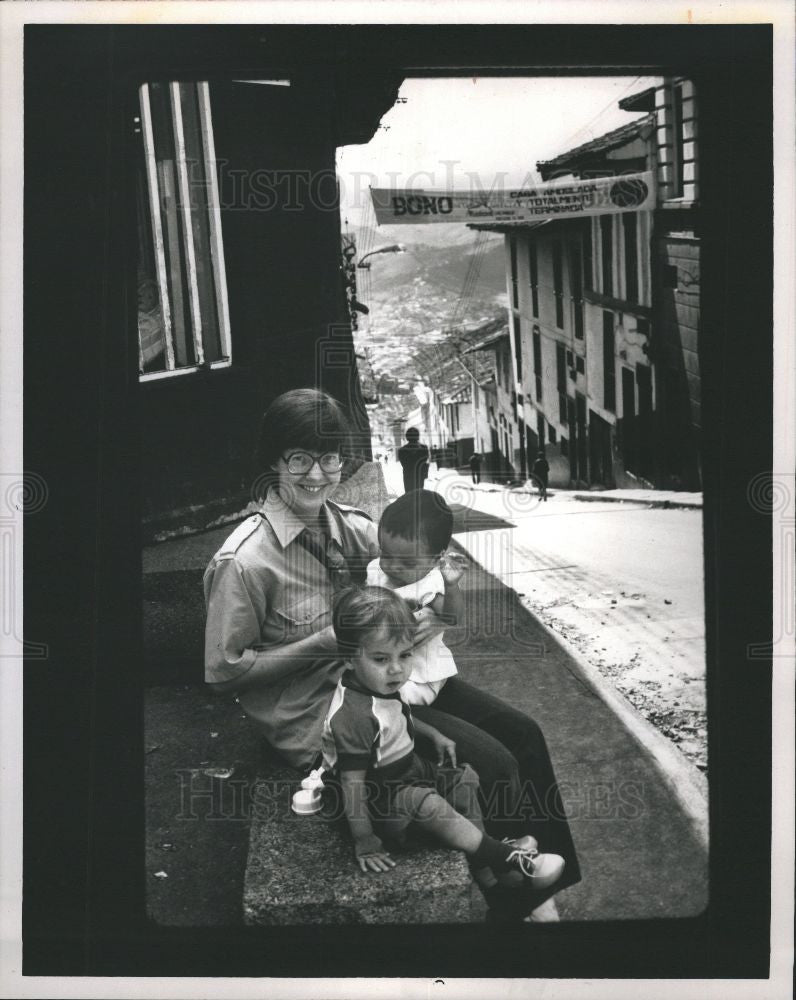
300,618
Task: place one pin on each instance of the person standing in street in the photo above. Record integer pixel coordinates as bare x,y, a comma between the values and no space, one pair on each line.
475,466
414,458
541,470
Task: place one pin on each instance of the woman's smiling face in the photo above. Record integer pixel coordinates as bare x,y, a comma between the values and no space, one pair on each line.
305,492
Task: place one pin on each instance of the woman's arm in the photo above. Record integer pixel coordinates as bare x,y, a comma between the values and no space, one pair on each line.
368,849
269,665
235,656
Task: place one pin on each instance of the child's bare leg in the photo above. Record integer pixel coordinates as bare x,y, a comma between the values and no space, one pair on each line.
441,819
460,826
486,855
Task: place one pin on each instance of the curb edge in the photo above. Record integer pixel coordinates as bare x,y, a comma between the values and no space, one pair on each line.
686,782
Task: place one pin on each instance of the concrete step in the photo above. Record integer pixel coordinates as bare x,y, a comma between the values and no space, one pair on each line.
301,870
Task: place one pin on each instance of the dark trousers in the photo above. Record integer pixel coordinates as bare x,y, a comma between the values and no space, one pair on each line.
414,479
518,786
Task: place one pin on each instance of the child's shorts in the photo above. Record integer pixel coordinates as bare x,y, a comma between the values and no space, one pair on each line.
395,802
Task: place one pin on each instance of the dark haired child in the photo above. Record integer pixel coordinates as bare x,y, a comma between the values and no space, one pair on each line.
368,740
414,533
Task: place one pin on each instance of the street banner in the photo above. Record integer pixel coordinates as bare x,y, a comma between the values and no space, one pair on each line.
554,200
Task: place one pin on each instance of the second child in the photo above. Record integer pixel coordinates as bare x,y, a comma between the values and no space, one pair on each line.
414,534
368,742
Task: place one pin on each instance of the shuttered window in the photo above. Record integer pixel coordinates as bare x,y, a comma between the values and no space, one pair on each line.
609,372
533,266
537,362
561,383
515,295
629,224
558,282
607,253
183,314
576,286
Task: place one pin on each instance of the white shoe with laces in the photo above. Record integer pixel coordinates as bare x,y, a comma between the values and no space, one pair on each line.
540,869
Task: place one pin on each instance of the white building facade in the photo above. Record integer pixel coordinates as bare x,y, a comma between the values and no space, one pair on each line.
604,314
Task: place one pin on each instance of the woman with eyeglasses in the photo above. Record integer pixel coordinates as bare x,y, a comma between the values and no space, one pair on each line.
269,592
269,588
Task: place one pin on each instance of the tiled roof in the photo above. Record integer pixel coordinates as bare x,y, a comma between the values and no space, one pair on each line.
488,341
602,144
644,100
448,365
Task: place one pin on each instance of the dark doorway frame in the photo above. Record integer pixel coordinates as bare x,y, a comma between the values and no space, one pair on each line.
83,846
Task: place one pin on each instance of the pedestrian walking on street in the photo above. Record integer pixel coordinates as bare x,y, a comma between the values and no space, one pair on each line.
541,470
475,466
414,459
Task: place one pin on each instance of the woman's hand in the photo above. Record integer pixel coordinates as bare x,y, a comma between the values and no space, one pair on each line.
428,625
443,747
371,855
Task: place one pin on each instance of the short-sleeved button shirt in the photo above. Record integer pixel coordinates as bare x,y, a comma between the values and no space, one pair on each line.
264,589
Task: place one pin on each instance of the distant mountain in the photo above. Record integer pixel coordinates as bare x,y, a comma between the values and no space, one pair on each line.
449,275
431,234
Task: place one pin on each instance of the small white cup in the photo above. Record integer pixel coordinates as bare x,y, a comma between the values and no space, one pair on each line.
307,802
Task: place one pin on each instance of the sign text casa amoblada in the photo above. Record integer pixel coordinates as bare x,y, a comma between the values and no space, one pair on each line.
601,196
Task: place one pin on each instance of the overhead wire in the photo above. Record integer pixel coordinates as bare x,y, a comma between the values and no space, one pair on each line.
470,279
586,127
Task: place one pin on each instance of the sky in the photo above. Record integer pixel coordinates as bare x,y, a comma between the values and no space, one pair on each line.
487,126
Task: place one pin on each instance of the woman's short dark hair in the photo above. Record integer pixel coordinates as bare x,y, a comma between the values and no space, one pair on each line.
360,612
301,418
419,514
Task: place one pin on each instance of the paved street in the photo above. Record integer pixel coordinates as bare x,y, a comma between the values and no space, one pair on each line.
622,582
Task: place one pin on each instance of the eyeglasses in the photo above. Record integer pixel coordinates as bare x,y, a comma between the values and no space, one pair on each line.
299,463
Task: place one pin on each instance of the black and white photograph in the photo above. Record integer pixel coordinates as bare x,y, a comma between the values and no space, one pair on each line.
399,481
578,647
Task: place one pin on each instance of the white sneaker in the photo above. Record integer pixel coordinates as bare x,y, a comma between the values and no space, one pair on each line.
541,869
512,879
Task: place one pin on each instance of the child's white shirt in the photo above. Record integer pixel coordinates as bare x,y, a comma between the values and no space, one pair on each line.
434,662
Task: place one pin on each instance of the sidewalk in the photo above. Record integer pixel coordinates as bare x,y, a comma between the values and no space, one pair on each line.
462,481
651,498
639,851
654,498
